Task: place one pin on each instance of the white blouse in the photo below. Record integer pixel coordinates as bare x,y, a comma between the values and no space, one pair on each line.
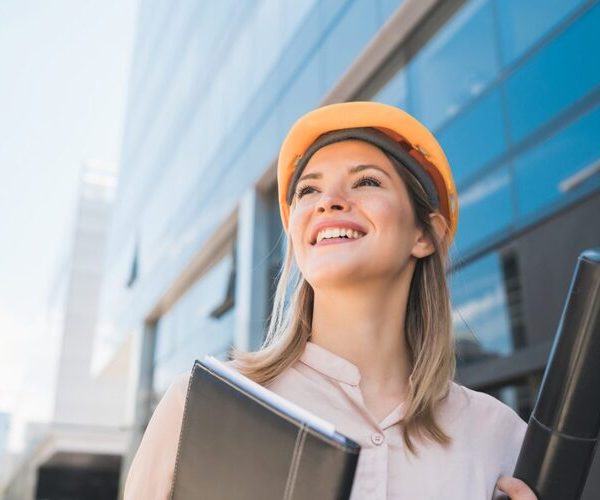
486,437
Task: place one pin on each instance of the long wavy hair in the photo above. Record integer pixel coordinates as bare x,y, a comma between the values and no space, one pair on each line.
428,328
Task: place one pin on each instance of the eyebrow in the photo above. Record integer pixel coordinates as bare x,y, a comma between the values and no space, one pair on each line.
352,170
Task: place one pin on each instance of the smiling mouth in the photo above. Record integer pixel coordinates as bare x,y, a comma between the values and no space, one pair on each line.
334,241
335,237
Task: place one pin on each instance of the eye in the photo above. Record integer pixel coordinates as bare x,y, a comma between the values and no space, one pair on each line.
367,181
302,190
363,181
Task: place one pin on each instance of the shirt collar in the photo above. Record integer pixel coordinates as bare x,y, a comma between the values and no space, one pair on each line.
330,364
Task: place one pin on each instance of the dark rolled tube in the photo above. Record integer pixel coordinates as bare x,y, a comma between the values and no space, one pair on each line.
562,433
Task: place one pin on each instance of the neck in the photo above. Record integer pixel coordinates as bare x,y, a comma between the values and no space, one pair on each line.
365,325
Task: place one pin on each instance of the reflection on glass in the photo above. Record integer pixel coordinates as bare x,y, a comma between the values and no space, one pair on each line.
480,316
456,65
353,31
523,23
474,138
188,332
277,246
388,7
485,209
561,167
520,395
304,94
394,92
554,78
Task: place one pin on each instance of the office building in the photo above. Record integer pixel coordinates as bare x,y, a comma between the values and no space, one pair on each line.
511,90
78,453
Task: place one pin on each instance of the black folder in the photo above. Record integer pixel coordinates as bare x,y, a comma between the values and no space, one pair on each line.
238,441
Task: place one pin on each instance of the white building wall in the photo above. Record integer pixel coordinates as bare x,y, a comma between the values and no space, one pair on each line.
82,399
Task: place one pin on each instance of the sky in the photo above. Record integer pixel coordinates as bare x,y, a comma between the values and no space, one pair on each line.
64,69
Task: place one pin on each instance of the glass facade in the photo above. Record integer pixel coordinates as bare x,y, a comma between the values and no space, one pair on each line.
214,87
195,326
553,164
514,103
507,87
523,24
519,395
455,66
479,305
552,79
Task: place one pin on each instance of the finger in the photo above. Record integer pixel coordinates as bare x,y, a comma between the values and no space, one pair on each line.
515,488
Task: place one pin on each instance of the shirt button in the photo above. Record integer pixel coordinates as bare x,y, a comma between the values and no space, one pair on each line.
377,438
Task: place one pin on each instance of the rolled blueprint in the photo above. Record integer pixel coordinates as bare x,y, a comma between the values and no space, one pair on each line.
562,433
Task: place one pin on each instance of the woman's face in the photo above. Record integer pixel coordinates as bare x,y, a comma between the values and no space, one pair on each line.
353,186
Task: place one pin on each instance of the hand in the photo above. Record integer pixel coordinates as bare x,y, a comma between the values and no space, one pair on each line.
515,488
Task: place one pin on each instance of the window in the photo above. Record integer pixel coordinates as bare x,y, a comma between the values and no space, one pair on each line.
189,330
228,299
556,77
347,38
485,208
133,271
474,138
394,92
484,296
455,66
520,395
524,22
562,168
388,7
304,93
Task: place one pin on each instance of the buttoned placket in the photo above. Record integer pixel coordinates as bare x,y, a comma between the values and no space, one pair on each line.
378,436
347,378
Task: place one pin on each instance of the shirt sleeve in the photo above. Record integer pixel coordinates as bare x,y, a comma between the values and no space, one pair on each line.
512,432
151,472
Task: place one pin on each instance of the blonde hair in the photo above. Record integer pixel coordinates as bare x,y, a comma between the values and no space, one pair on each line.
428,328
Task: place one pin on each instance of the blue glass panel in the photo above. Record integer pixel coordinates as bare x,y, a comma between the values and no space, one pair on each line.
188,332
480,313
556,77
165,339
265,44
387,8
304,93
214,338
330,9
395,92
485,208
262,148
167,369
347,38
456,65
519,396
524,22
301,47
474,138
541,172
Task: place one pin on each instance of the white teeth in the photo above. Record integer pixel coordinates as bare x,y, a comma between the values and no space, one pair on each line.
337,232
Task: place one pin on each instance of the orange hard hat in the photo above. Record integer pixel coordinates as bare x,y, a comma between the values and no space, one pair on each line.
419,152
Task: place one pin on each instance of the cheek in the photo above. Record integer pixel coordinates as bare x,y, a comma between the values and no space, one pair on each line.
298,224
394,221
389,216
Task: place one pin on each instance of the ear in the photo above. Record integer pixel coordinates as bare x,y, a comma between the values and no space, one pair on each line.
423,245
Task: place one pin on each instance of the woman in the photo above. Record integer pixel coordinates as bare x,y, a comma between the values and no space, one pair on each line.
360,332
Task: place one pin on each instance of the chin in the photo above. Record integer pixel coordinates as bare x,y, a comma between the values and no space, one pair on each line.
334,275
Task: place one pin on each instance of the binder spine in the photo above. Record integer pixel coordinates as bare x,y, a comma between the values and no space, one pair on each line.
183,422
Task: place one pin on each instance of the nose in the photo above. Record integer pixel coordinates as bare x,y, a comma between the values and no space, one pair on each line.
331,202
